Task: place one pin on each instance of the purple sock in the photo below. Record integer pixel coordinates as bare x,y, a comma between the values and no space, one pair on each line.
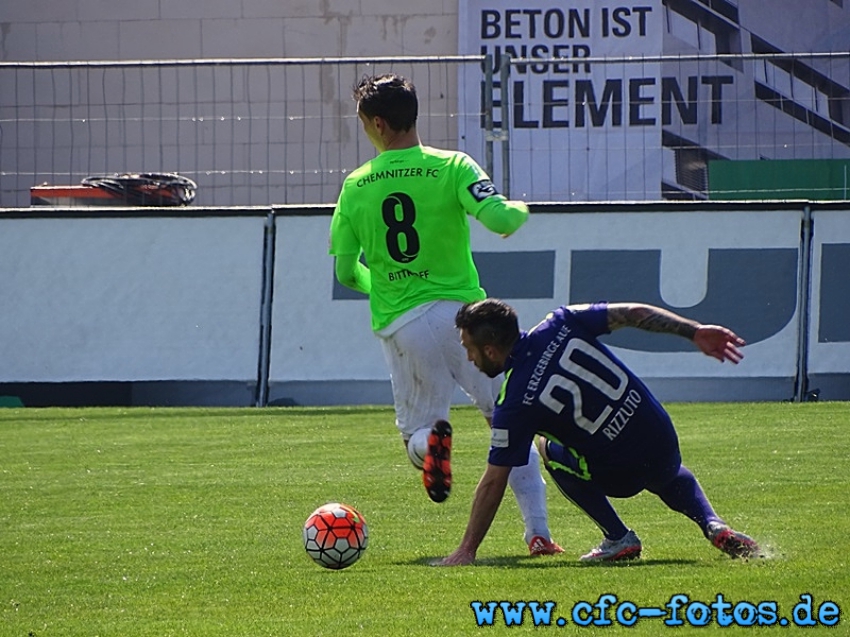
683,494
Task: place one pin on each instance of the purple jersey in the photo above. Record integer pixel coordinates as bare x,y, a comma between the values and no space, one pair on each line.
561,382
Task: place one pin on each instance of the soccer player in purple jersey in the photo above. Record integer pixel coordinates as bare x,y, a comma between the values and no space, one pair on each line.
603,433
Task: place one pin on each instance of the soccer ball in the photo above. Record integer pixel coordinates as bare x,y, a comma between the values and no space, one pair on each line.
335,535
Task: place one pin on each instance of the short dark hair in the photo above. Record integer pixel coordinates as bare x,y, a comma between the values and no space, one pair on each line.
389,96
489,322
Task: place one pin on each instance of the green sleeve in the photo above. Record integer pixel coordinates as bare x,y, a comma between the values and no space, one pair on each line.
344,245
479,197
352,273
501,216
342,239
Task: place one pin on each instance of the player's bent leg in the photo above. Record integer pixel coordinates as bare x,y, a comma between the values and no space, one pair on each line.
684,494
422,384
570,472
529,489
422,390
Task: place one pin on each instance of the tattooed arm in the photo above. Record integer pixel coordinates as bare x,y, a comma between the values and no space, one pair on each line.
649,318
713,340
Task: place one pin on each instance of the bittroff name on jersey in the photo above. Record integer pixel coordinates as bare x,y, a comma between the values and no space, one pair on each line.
398,275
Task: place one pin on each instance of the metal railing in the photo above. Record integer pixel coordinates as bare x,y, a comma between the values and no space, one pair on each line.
670,127
247,131
284,131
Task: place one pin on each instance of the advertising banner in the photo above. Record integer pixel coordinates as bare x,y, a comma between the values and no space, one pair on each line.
733,267
634,100
578,131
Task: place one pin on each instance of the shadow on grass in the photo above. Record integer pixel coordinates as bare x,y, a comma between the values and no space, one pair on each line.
527,561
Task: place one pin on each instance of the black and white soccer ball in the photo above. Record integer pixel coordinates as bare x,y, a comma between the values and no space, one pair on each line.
335,535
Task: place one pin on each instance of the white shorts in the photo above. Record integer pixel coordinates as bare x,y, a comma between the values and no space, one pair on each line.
427,362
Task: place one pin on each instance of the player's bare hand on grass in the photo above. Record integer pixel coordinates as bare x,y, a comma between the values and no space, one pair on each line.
461,557
719,342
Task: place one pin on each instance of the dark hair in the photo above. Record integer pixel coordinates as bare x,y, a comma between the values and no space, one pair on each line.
489,322
389,96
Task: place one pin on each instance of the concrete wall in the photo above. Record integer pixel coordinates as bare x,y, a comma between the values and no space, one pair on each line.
247,136
118,298
166,29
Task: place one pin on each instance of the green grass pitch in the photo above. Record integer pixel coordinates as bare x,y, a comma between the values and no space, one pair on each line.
159,522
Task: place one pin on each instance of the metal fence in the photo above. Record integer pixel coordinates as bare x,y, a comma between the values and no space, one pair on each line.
284,131
248,132
744,126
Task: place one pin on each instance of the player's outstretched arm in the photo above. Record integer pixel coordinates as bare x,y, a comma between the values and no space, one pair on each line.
712,340
485,503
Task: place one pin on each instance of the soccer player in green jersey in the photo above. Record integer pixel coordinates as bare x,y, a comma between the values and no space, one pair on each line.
407,211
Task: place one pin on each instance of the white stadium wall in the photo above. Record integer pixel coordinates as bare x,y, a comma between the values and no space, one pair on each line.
154,29
827,358
313,336
732,264
141,300
157,307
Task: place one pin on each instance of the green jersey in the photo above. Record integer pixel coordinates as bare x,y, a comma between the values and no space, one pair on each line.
407,212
